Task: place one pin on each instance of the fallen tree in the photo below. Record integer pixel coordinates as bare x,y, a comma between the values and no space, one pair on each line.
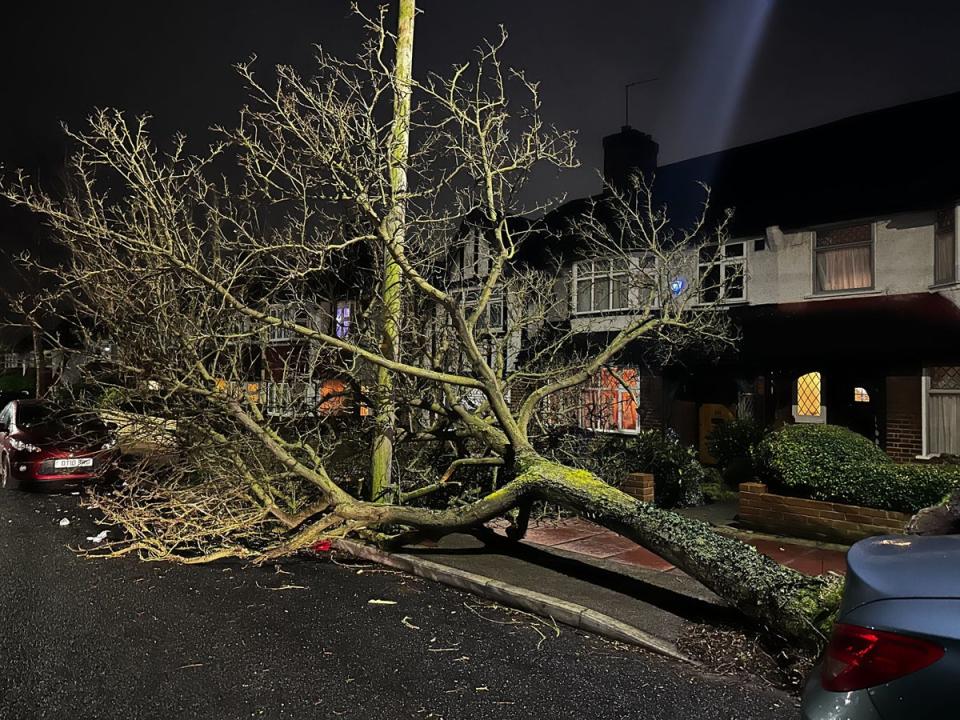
242,290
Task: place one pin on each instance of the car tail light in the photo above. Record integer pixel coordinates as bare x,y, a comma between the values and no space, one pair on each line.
859,657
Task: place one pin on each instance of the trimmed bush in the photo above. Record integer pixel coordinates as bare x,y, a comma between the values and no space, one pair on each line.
677,473
829,462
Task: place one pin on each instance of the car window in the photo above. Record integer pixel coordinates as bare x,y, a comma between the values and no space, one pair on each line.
6,415
32,415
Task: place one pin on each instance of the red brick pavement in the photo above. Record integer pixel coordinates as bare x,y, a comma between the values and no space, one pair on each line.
579,536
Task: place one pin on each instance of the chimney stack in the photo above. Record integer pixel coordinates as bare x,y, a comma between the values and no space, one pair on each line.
626,153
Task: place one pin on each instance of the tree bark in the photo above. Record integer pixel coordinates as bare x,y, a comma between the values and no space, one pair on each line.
794,606
381,463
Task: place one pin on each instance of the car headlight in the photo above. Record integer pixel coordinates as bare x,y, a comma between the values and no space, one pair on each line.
24,446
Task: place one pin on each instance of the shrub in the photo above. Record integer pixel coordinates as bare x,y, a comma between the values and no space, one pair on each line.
732,444
828,462
677,473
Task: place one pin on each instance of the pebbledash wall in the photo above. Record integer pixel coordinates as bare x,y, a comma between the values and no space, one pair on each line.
814,519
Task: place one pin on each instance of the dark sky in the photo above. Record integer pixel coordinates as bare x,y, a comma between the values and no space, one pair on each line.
729,71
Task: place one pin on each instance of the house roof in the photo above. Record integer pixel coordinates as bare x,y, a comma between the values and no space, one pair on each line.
888,161
883,162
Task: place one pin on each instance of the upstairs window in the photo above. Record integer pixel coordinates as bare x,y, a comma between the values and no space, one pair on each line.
945,248
843,259
343,318
601,285
723,272
494,316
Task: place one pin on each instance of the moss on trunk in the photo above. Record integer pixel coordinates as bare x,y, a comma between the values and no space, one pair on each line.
794,606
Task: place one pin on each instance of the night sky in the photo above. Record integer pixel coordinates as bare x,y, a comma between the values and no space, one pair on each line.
729,72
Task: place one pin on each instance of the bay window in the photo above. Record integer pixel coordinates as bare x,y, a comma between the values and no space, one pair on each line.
601,285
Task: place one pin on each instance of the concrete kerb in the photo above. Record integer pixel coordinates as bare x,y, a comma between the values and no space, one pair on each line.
562,611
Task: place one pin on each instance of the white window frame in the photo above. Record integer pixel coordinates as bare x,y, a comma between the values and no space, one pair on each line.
814,250
469,296
927,389
726,264
633,268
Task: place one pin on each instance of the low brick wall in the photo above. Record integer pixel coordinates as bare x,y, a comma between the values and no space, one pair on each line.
813,519
639,485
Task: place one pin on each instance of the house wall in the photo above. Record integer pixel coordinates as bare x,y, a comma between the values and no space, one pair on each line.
782,272
904,439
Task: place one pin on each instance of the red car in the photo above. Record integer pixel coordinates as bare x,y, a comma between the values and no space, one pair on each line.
42,446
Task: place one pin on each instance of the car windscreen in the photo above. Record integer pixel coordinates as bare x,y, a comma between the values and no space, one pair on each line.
29,416
57,420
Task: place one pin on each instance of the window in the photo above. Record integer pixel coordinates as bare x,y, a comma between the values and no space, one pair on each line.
945,248
843,259
601,285
607,405
343,319
943,411
861,395
809,405
494,316
723,272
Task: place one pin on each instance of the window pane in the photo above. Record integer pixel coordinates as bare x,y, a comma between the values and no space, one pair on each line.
944,257
944,424
733,281
583,295
850,235
844,269
808,395
621,292
709,253
601,294
733,250
710,284
496,313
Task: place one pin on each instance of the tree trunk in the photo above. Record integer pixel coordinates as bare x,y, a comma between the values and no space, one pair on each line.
38,363
797,607
381,463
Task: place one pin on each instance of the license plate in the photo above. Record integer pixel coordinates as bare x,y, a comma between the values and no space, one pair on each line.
70,463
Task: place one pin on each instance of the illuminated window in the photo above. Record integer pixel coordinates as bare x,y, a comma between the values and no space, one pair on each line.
861,395
606,403
809,407
843,259
344,318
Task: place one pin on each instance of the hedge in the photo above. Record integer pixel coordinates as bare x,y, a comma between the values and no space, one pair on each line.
677,473
829,462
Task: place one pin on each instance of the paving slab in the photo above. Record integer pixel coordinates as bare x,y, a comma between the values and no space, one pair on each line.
637,597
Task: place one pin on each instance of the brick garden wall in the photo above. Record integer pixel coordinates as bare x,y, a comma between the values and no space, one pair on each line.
813,519
639,485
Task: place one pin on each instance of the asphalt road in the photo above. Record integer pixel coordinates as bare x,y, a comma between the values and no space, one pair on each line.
85,638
